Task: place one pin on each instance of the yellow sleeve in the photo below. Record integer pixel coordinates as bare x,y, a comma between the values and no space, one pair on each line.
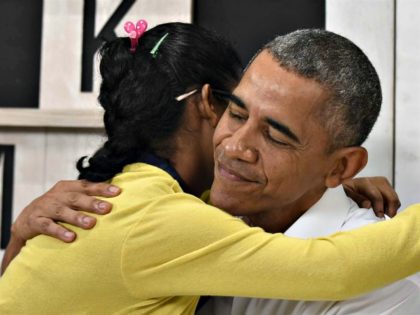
184,247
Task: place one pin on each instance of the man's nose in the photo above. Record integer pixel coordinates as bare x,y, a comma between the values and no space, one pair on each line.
241,145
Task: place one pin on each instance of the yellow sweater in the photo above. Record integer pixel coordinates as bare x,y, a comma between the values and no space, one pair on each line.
159,249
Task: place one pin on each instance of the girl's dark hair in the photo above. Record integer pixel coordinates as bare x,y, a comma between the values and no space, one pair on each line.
138,91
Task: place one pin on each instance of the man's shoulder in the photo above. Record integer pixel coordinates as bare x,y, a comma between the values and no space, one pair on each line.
358,217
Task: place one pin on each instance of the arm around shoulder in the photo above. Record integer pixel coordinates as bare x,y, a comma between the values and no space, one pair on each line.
198,250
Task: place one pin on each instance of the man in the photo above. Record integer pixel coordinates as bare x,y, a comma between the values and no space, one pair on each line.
274,155
304,106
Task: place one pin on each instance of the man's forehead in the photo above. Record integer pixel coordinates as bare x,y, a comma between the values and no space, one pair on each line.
260,72
283,96
265,79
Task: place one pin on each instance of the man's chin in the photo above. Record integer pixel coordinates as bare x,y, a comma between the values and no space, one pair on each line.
227,203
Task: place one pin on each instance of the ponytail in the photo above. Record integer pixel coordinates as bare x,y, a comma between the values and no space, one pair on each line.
138,91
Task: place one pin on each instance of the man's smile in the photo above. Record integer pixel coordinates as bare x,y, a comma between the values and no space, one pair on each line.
231,174
234,170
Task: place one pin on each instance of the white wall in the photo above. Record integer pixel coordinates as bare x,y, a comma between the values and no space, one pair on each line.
370,25
407,107
390,36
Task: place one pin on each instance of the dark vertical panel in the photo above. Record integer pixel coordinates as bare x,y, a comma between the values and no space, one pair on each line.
249,23
92,43
394,98
20,33
7,152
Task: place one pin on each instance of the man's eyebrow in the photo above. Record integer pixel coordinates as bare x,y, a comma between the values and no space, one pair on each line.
235,99
283,129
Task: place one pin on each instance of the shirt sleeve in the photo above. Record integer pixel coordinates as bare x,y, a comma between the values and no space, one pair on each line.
399,298
182,246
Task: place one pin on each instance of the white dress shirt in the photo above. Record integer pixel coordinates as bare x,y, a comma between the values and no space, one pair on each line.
332,213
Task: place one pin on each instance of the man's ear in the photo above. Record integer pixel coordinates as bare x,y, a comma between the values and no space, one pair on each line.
207,106
347,162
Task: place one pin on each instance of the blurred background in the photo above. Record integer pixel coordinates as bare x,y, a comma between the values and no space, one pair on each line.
49,116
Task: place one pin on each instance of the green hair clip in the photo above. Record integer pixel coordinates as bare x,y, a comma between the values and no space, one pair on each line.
155,49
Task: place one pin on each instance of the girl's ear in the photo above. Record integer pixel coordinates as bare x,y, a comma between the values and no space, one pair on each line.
207,107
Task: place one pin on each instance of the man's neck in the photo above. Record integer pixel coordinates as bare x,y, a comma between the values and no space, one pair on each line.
280,219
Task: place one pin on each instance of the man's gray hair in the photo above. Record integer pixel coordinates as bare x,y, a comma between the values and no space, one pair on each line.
340,66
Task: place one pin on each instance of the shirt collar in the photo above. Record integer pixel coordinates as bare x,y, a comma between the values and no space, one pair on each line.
325,217
153,159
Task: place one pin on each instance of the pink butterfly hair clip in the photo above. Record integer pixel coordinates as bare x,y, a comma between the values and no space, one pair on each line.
135,32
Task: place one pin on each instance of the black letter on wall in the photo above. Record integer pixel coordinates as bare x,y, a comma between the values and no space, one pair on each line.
7,157
92,43
20,53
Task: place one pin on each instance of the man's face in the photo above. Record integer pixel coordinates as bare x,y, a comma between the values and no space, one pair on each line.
270,152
